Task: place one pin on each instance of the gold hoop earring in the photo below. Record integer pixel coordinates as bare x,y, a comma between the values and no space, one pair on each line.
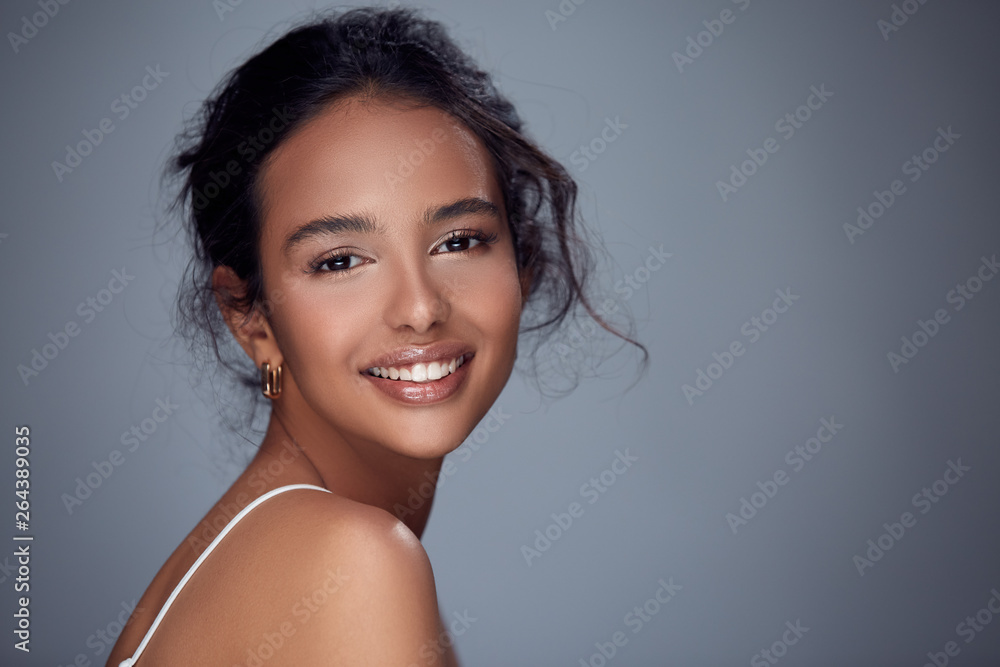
270,380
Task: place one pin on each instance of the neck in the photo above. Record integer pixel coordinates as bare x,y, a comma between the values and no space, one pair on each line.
363,472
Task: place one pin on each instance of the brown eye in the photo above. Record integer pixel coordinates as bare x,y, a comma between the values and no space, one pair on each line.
340,263
337,263
465,240
459,243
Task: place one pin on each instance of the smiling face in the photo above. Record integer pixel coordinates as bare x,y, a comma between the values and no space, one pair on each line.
385,235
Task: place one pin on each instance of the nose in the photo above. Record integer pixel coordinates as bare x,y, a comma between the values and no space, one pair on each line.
418,301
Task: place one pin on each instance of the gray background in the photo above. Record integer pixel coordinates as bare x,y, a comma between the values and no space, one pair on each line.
826,357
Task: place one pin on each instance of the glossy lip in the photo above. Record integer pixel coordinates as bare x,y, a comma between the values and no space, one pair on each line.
406,356
422,393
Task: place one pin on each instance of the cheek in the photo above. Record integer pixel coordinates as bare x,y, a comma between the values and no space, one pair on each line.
490,295
316,333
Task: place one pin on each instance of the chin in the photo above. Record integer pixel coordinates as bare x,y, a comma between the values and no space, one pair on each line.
430,448
428,430
428,443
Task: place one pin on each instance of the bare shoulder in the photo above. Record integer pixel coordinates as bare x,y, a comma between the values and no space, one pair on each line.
387,603
307,578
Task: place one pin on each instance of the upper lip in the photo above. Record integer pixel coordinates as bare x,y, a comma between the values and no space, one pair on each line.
404,356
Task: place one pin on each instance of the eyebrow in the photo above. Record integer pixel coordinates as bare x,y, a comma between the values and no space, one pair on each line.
362,223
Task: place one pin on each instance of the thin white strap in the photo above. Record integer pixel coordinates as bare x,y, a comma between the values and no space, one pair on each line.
129,662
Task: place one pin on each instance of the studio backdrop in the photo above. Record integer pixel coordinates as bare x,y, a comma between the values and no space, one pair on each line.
798,203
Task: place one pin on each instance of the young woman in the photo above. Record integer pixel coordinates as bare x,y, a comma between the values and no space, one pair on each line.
370,225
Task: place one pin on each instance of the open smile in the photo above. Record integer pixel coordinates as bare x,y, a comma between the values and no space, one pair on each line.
421,383
419,372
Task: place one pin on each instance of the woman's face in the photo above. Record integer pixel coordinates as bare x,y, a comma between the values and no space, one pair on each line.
361,205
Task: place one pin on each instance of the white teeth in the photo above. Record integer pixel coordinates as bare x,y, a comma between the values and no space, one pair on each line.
429,372
419,373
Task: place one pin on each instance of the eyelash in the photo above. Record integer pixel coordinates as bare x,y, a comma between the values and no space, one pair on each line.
317,266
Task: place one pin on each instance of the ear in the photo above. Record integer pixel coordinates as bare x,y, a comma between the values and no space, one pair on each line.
252,331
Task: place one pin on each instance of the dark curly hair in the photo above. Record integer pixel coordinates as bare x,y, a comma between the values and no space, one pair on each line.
369,53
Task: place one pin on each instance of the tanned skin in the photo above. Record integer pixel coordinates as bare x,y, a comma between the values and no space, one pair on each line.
404,285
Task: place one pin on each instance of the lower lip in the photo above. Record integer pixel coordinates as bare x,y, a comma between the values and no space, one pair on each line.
421,393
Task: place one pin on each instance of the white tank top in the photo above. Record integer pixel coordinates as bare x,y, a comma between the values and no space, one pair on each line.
129,662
